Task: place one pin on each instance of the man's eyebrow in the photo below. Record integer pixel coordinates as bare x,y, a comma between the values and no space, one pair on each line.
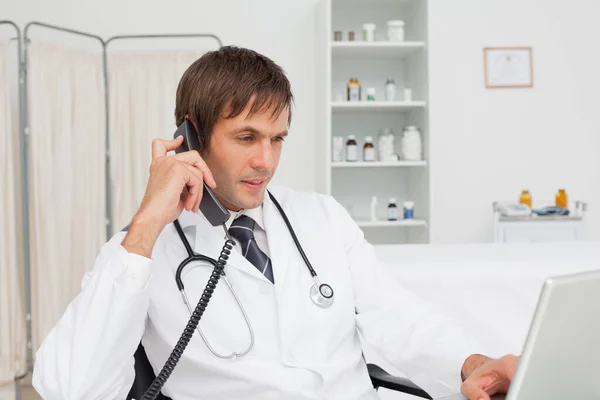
250,129
245,128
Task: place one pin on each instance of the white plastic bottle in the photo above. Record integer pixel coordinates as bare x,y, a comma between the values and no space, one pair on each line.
412,146
390,90
369,32
351,149
392,210
369,150
374,208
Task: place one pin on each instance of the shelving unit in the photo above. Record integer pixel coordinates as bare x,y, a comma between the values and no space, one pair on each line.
388,50
354,184
377,164
371,106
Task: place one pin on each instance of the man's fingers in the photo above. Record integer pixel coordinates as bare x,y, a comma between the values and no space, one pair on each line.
474,392
161,147
193,158
195,187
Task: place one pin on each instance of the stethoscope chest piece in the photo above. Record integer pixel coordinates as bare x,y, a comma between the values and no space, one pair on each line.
321,294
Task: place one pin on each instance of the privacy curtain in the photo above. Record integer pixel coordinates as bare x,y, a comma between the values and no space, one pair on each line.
67,175
142,88
12,316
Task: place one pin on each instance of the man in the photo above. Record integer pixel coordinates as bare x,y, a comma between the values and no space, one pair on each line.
240,103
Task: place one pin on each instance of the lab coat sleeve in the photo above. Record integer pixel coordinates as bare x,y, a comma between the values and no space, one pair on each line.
89,352
401,327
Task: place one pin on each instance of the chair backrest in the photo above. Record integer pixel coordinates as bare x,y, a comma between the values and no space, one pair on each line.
144,375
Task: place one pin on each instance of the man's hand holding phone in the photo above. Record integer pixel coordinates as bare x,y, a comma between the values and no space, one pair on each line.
175,183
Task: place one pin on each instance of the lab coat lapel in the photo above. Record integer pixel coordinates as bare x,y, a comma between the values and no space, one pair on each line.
281,245
210,240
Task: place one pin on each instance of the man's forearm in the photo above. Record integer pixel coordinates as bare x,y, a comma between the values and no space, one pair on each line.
473,362
142,235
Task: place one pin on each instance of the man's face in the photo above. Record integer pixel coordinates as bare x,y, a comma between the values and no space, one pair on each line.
243,155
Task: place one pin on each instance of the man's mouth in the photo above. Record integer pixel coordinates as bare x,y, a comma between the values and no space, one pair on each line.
255,183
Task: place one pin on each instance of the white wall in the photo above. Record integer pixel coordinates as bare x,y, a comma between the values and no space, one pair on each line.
282,30
486,145
489,144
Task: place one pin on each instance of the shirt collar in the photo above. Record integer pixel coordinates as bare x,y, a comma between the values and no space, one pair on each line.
255,213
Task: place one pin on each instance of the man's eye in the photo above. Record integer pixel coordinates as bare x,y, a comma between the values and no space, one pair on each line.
246,138
278,139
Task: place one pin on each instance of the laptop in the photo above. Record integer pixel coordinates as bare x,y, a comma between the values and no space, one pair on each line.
561,357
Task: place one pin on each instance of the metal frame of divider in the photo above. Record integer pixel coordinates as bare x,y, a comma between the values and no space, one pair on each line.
25,212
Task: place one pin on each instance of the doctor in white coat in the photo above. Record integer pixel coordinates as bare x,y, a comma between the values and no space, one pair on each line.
240,102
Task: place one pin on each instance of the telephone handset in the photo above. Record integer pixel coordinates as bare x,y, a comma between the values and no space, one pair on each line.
214,211
210,206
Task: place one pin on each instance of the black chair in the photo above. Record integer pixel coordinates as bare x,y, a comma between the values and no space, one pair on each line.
144,375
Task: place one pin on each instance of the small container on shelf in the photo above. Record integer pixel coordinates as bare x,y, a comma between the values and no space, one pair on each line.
561,198
412,146
371,94
369,32
409,209
386,145
338,149
369,150
390,90
392,210
374,208
395,30
525,198
353,89
351,149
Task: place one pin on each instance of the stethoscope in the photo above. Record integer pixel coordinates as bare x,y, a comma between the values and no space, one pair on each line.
320,293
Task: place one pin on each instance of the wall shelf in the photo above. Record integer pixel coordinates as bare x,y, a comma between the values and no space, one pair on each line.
408,223
386,50
377,164
369,106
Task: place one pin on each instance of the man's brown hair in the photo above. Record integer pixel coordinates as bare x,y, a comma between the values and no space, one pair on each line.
221,83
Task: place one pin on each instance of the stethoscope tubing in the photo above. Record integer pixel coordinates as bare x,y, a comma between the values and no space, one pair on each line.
321,291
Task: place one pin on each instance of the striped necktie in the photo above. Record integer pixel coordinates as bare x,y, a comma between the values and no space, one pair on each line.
242,229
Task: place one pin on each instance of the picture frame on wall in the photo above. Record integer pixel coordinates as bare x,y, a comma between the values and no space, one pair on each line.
508,67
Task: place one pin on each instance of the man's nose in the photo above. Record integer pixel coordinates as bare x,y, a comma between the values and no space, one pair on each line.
264,157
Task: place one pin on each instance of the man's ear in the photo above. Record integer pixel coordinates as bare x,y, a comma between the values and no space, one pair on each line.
187,116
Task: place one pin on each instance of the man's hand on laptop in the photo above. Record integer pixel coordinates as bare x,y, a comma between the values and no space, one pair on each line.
483,376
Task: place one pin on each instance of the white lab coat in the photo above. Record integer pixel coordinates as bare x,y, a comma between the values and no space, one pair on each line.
300,352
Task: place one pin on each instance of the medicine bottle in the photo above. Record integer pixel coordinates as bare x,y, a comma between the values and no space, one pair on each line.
412,146
390,90
371,94
395,30
386,145
392,210
409,209
369,32
525,198
369,149
353,90
351,149
561,198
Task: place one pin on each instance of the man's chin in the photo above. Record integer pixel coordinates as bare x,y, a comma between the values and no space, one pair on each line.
251,199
